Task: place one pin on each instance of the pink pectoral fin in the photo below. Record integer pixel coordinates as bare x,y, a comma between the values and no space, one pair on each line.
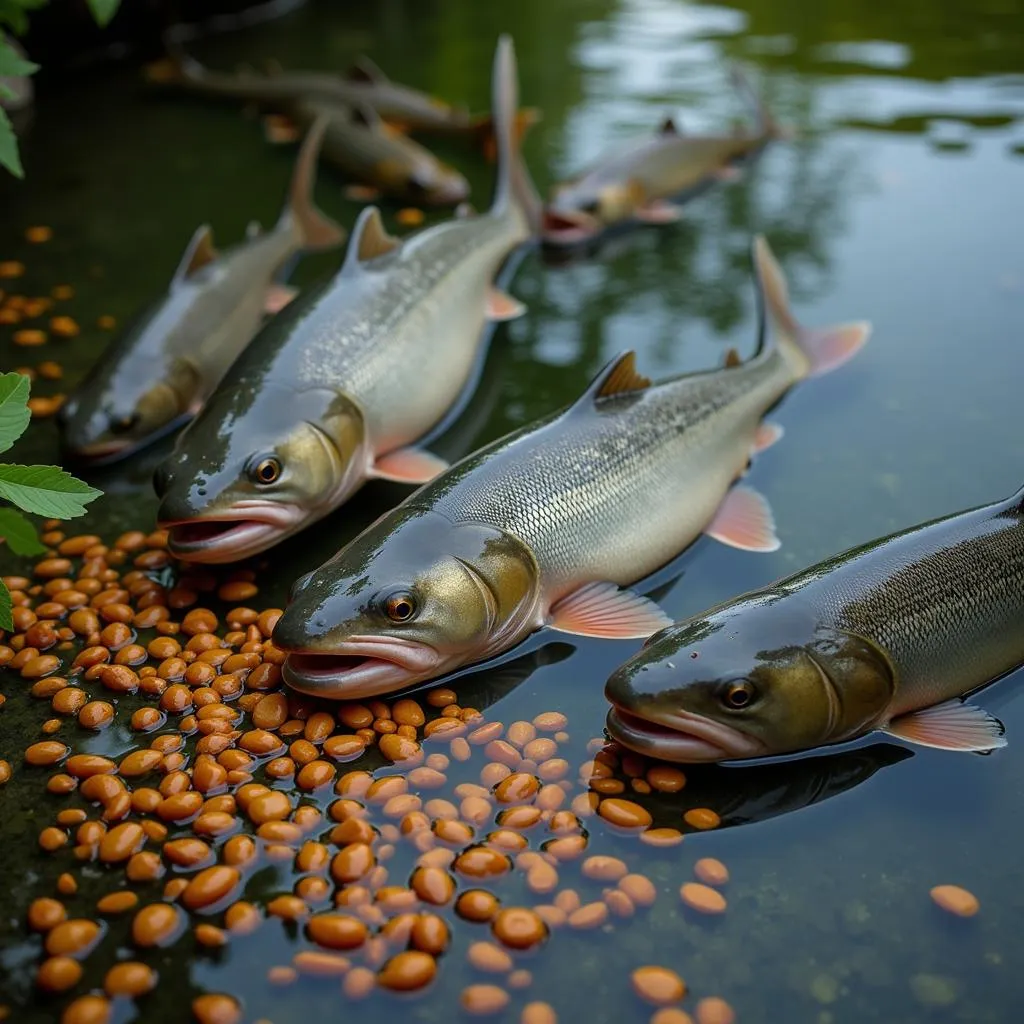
278,296
730,172
767,434
658,211
408,466
830,347
744,520
951,725
603,610
501,306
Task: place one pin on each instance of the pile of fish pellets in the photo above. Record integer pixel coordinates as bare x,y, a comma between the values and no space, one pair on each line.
231,772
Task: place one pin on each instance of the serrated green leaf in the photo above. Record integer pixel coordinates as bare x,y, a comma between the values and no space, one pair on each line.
103,10
19,533
14,412
12,63
6,622
9,147
45,490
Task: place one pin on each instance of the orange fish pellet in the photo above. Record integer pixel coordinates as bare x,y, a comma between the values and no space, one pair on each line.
671,1015
407,971
130,979
64,327
518,927
409,217
214,1008
711,871
87,1010
29,338
483,1000
658,985
106,322
624,813
714,1010
702,898
74,937
58,973
11,268
38,234
955,900
702,818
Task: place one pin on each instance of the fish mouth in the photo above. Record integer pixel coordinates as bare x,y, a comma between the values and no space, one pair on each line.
362,666
565,227
244,530
681,736
449,192
99,453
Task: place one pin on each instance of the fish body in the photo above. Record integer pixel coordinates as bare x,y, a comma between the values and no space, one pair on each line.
371,152
364,86
544,526
162,369
338,387
886,636
636,181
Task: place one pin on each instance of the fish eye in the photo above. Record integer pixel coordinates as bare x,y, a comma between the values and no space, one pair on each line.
400,607
738,695
592,206
264,470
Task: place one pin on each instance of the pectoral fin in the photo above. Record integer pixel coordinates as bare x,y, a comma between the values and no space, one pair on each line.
603,610
952,725
658,211
744,520
767,434
278,296
830,347
408,466
501,305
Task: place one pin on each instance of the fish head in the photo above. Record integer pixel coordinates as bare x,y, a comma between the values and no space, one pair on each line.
435,183
130,397
416,595
579,212
747,682
256,466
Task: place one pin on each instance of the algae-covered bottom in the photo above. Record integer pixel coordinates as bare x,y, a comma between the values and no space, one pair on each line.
895,203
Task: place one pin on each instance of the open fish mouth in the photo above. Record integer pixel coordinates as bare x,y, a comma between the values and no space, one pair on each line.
682,737
568,228
99,453
232,536
363,666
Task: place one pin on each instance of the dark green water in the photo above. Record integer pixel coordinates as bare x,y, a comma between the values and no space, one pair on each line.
899,203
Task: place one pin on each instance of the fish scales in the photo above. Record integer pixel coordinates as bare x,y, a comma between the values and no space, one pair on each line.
577,489
934,601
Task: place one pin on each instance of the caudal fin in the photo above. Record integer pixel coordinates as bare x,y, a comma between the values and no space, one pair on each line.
513,186
813,351
317,229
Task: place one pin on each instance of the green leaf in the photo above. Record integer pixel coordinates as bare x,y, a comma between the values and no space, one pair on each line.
11,63
12,12
103,10
6,622
9,147
45,490
19,533
14,414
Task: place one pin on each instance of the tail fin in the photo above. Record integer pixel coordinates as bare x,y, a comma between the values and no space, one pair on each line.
811,351
767,126
317,229
513,186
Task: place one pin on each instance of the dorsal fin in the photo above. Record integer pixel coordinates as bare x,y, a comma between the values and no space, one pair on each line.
732,358
669,126
619,377
369,239
366,116
198,253
364,70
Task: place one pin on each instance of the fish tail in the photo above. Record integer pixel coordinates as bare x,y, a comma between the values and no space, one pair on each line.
766,124
809,351
317,229
513,187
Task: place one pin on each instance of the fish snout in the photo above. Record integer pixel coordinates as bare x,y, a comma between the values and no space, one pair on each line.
448,189
568,227
638,683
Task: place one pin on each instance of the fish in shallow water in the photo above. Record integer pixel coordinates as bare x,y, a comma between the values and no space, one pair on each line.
637,181
543,527
164,366
363,86
888,636
372,153
341,385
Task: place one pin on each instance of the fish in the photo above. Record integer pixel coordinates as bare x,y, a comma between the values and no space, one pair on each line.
545,527
363,87
341,386
162,369
638,180
890,636
372,153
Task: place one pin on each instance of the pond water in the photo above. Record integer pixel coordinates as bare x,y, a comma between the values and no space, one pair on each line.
896,203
